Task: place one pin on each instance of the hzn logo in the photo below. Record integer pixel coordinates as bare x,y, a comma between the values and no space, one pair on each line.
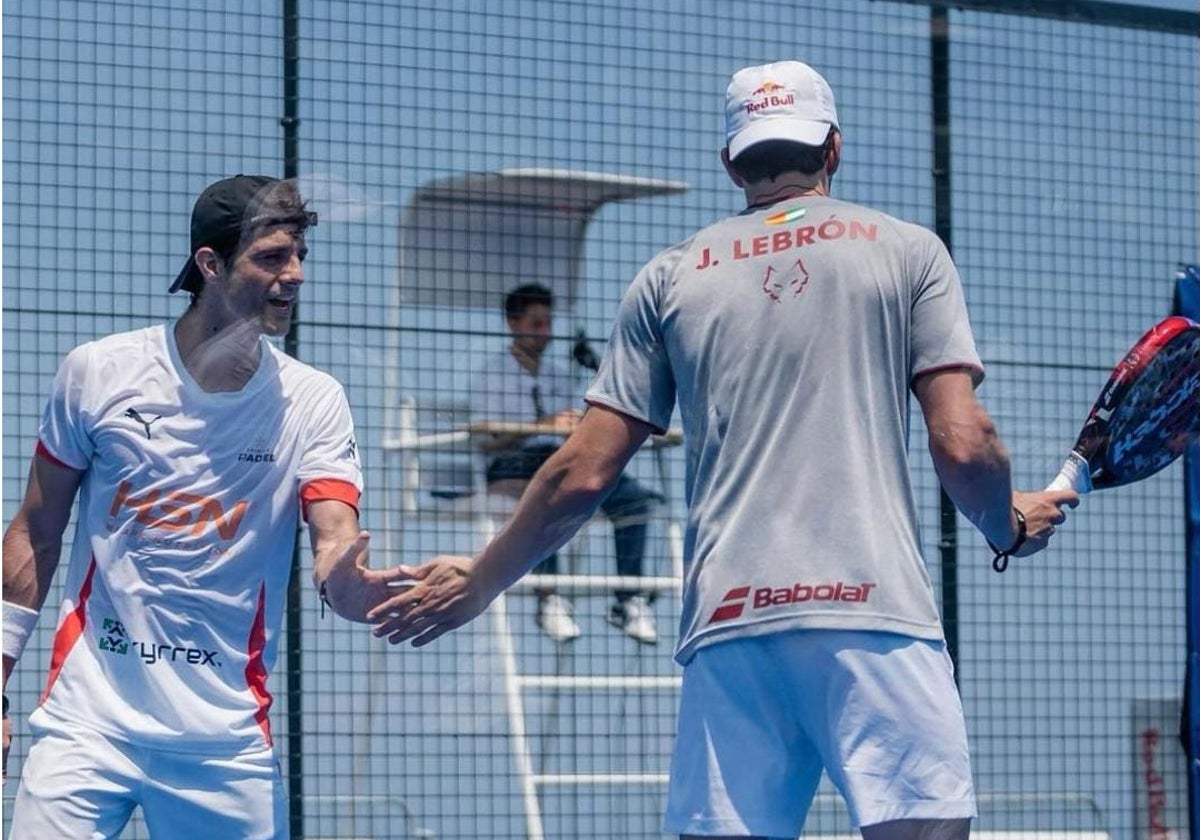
179,511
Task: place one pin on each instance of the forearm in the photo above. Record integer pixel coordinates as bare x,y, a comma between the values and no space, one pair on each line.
448,592
559,499
29,564
28,569
974,468
32,547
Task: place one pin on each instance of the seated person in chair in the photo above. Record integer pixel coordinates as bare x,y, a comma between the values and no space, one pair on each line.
520,386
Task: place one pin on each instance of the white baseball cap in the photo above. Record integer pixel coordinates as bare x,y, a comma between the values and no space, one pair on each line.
787,100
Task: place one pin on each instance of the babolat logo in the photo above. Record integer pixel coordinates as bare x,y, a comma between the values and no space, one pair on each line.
732,605
115,639
256,456
737,599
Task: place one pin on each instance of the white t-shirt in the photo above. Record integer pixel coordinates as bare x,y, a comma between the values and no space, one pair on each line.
791,336
188,509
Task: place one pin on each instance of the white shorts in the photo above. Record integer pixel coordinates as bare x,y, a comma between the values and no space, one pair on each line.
759,718
83,784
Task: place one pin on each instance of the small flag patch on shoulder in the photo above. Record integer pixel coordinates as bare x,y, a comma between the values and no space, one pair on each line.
786,216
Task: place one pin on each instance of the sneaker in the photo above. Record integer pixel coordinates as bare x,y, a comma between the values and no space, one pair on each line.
554,617
635,619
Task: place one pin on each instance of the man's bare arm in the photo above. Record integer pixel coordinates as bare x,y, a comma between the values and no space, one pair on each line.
451,591
32,548
974,466
33,540
563,495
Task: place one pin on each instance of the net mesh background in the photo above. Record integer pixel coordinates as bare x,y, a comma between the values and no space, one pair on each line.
1073,173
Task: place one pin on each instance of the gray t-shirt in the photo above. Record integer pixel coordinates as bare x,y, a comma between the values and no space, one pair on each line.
791,336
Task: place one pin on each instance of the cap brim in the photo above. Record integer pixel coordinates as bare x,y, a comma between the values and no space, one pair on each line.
188,279
808,132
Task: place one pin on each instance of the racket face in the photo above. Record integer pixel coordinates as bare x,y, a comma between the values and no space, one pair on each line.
1150,408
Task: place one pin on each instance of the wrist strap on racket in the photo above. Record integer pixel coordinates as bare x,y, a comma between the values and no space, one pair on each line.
1000,560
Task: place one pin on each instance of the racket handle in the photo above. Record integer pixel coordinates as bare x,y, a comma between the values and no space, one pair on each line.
1075,474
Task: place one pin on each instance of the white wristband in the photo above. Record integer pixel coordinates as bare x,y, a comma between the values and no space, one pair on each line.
19,622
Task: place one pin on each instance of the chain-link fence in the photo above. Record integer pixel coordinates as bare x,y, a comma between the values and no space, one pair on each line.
455,150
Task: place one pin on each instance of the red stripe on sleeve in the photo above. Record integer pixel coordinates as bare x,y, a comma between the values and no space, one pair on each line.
324,489
49,456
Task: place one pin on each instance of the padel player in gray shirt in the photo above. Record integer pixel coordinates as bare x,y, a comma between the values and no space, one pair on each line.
789,337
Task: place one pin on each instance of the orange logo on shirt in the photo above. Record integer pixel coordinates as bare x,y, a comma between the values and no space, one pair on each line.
179,511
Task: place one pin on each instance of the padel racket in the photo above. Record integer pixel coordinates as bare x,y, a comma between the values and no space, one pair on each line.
1146,415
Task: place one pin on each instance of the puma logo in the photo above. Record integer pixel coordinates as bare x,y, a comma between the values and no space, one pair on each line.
133,412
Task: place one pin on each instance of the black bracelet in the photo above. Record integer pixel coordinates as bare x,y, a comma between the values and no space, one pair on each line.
1000,560
5,705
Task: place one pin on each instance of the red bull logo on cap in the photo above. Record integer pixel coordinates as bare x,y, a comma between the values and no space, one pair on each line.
769,95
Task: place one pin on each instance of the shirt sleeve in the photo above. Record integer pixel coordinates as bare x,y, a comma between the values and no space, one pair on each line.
65,433
635,376
941,329
330,467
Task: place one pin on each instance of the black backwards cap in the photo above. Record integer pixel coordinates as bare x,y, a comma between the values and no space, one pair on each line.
228,209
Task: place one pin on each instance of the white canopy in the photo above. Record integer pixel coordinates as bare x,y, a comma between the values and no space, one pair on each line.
466,240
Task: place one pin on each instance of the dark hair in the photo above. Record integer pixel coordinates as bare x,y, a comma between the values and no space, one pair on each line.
277,205
523,297
770,158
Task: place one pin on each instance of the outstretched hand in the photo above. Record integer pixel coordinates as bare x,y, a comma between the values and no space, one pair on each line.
353,589
445,595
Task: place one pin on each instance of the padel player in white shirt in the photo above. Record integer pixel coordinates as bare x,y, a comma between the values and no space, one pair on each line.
194,449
